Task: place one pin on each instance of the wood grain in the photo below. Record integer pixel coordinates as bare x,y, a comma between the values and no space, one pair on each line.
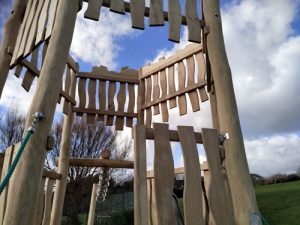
156,93
181,81
92,100
40,205
171,82
156,16
174,15
41,28
137,11
102,98
148,99
93,10
190,81
194,27
121,103
163,105
48,201
111,104
201,75
82,92
131,104
51,18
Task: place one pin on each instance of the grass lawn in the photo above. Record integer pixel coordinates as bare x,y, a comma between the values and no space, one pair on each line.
280,203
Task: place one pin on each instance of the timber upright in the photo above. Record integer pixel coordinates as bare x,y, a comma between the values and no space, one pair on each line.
46,27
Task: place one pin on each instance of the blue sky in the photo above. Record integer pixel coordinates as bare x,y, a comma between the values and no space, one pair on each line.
262,39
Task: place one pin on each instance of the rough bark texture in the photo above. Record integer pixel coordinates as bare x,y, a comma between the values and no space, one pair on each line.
244,199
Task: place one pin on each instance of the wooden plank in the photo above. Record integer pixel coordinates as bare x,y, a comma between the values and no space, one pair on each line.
92,162
111,104
27,29
41,29
113,113
67,90
117,6
181,81
156,17
33,31
45,48
163,175
194,27
189,50
92,209
140,176
92,100
192,177
29,76
40,205
121,103
217,193
141,101
174,15
171,82
18,70
208,214
148,100
51,18
131,104
4,195
48,201
137,9
82,92
163,105
156,93
201,75
93,10
190,81
149,202
102,98
20,34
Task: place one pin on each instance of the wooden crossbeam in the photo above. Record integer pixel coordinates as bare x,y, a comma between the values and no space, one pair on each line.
101,112
52,175
106,3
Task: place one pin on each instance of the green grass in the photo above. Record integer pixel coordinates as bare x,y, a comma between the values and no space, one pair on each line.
280,203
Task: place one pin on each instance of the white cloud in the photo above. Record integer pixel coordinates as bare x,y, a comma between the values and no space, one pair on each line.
96,42
275,154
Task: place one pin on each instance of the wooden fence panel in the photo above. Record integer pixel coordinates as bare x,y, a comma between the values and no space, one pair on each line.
82,93
172,102
148,100
93,10
102,98
156,93
29,76
131,104
51,18
111,104
181,82
117,6
137,11
175,20
121,103
156,17
163,175
191,80
217,193
194,28
163,105
41,29
92,100
48,201
192,183
201,75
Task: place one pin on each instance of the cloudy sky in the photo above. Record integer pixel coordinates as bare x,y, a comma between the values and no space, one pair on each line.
262,39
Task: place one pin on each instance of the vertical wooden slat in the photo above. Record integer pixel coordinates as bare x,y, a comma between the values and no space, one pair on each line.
147,100
45,48
140,176
137,11
33,31
82,93
18,70
163,175
156,93
41,29
27,29
111,104
4,195
174,14
217,194
171,81
102,98
194,28
121,103
67,90
48,201
92,100
131,104
192,177
201,75
191,80
21,32
181,82
51,18
163,105
208,214
93,10
154,212
149,202
156,17
117,6
29,77
92,209
40,205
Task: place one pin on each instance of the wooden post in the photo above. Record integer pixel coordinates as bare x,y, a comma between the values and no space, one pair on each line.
10,33
29,171
92,210
244,200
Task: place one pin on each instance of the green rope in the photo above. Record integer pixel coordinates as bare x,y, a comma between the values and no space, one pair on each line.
15,162
264,221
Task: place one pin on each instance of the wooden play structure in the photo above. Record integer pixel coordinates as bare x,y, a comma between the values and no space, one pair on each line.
198,73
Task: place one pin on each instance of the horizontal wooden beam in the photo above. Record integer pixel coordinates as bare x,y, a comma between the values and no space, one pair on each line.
173,135
67,97
154,68
188,89
106,3
90,162
73,64
52,175
101,112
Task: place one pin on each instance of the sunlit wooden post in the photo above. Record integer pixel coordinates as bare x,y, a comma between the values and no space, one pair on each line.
28,174
244,200
10,34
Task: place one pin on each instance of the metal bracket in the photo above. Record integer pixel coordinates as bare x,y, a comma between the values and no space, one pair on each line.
37,117
223,138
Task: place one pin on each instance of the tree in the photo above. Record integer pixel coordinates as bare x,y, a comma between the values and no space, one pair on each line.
88,141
